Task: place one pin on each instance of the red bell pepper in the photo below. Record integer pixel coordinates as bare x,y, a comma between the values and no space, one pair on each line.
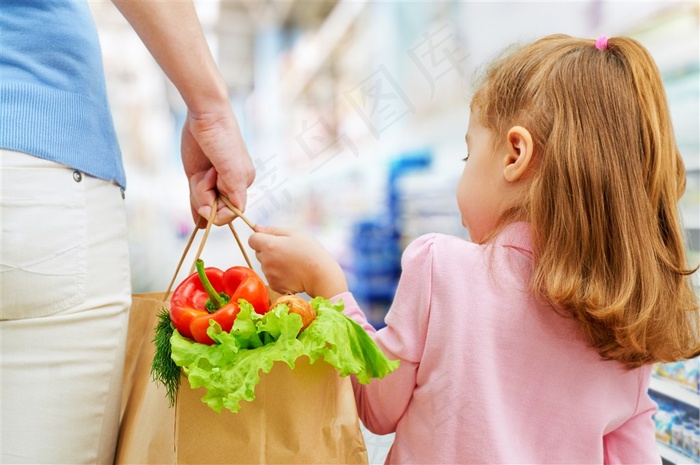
213,294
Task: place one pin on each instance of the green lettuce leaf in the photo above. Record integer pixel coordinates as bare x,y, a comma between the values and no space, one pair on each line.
230,369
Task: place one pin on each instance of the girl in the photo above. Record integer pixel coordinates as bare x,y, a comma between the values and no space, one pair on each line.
533,343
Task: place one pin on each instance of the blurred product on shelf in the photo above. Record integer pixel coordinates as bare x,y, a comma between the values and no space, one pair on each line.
684,373
376,244
677,426
376,266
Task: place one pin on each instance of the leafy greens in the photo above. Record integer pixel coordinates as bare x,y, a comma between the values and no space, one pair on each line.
230,369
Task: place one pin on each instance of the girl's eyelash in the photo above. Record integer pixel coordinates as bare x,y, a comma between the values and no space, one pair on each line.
466,158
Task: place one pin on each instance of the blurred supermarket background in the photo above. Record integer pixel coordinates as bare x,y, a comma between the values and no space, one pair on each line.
354,113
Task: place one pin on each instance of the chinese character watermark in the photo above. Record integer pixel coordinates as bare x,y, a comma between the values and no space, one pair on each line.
320,143
441,410
438,54
269,194
379,101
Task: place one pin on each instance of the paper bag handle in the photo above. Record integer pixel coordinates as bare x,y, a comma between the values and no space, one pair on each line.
210,221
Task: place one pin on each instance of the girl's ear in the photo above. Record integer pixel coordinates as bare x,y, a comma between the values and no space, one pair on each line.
519,153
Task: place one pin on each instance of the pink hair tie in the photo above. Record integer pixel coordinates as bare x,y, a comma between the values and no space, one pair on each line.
601,43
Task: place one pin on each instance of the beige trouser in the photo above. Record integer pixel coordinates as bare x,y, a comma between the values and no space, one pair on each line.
64,271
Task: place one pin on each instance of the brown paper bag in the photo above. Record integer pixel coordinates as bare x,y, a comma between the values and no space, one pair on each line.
305,415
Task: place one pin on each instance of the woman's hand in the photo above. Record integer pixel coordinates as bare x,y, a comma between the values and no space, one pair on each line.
216,161
294,262
214,155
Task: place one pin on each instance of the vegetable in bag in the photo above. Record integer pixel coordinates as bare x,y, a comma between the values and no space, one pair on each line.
249,337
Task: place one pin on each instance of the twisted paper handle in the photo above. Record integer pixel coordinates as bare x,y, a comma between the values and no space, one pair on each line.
210,221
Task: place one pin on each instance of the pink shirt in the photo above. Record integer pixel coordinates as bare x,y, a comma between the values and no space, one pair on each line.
489,375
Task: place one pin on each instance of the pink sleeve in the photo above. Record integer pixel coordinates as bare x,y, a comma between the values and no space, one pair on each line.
634,441
382,403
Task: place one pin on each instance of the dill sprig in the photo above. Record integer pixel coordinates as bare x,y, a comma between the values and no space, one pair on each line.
163,368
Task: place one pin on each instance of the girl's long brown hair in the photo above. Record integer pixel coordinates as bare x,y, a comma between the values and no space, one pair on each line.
607,239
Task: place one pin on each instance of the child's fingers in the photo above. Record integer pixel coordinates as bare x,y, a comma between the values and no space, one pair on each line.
272,230
265,236
256,241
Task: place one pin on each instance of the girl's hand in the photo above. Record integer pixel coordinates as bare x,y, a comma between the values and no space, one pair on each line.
294,262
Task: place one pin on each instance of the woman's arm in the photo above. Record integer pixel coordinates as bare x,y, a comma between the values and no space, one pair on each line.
211,137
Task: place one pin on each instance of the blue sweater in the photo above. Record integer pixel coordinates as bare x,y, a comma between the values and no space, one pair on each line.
53,102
